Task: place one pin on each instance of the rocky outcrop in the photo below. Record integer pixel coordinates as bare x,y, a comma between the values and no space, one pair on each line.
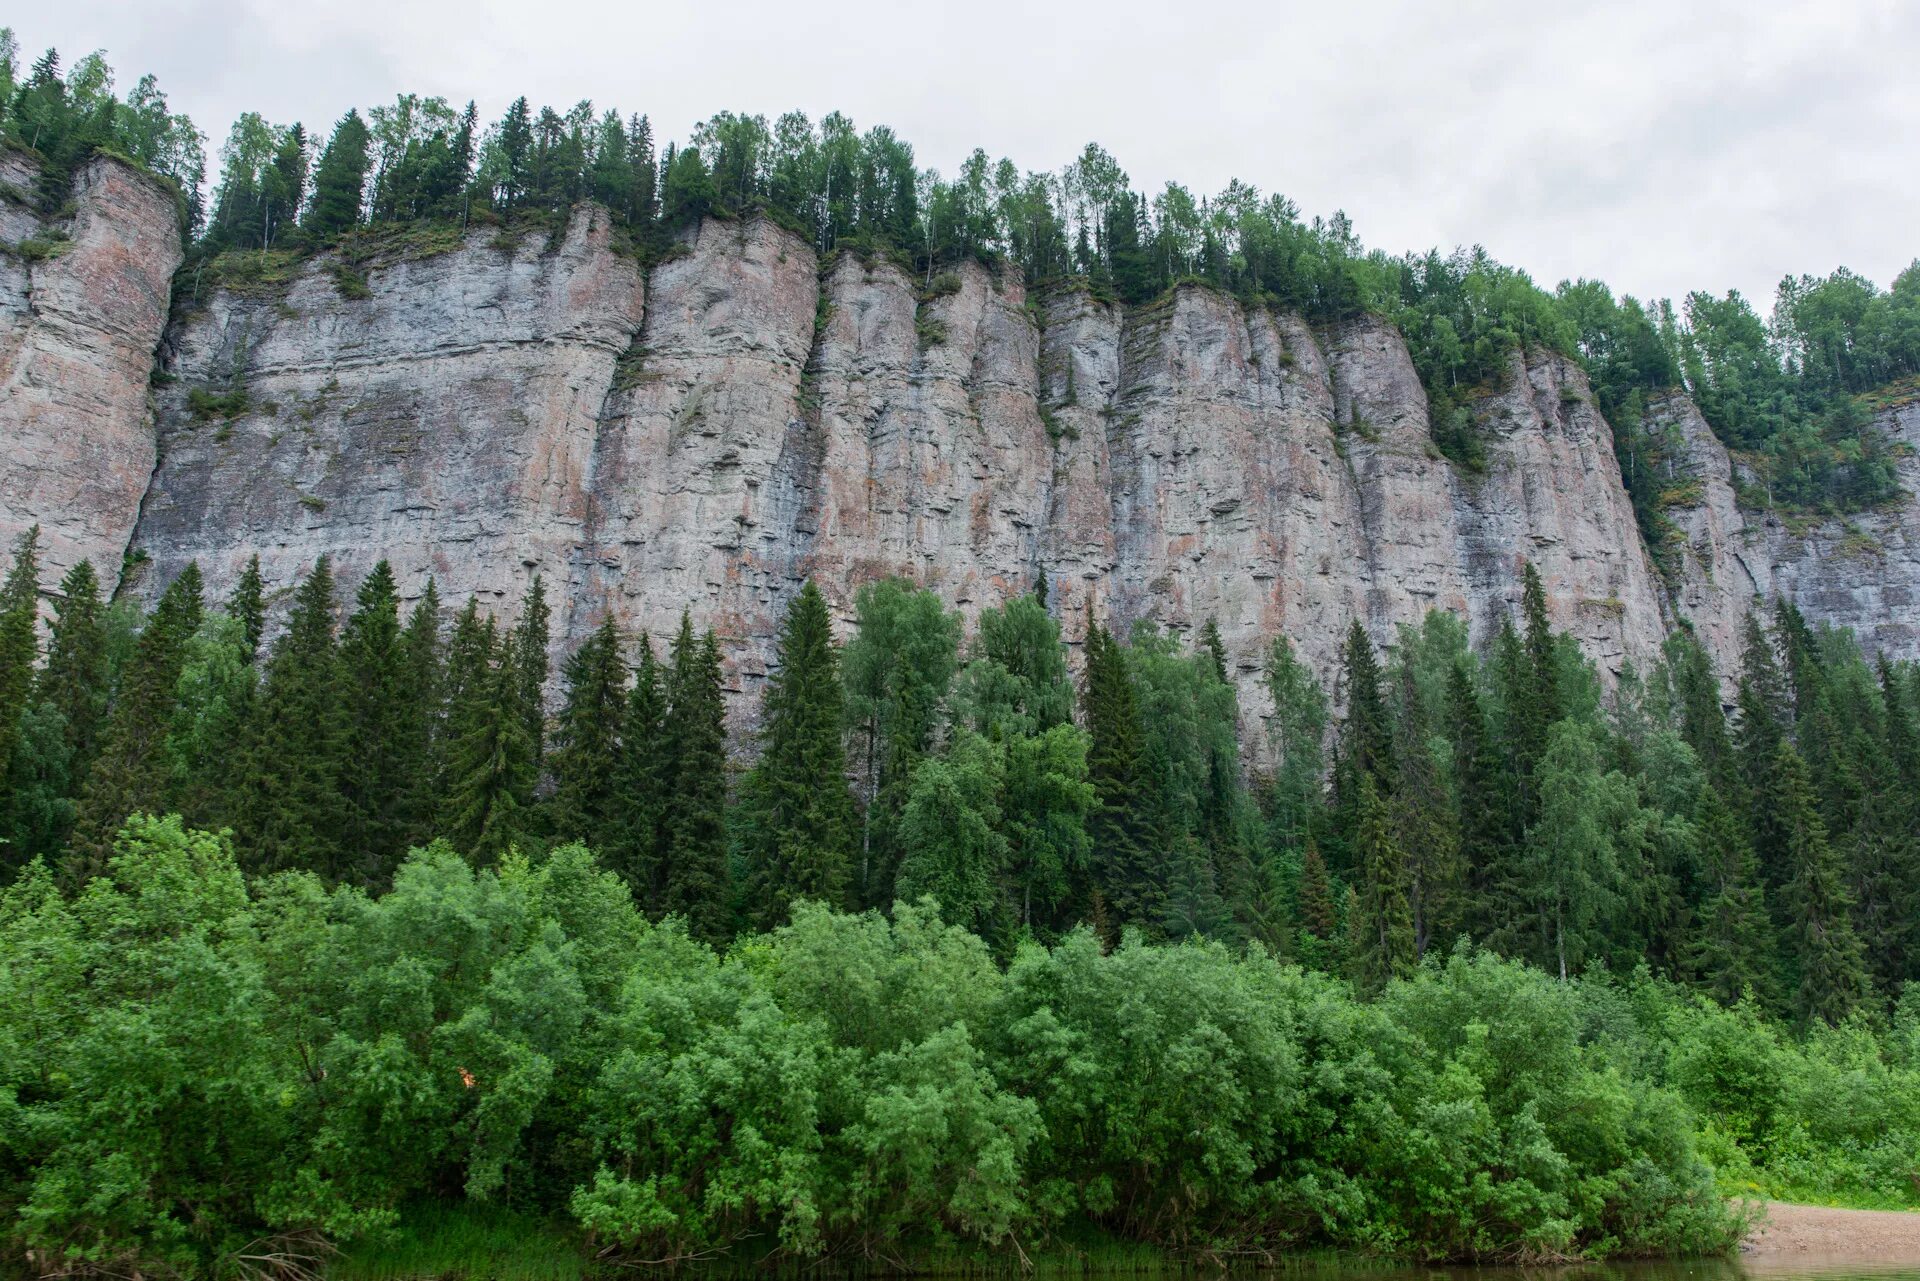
446,420
1861,571
83,300
486,413
708,435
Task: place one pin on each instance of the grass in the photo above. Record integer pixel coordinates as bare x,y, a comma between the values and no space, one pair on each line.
469,1244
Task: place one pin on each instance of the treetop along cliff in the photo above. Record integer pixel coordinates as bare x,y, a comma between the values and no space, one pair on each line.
1784,392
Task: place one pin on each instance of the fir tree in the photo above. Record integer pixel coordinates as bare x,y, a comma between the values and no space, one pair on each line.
635,847
1828,958
75,681
382,754
1732,940
586,752
1317,911
796,817
695,883
291,813
526,656
1124,870
339,181
1487,828
249,604
490,768
1424,823
423,696
133,772
464,689
1381,940
19,640
1762,702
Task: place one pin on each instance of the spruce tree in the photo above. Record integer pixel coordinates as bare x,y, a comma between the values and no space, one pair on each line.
1487,826
695,882
1829,962
527,657
796,818
76,678
1381,939
1365,745
381,753
339,180
423,698
635,847
1318,912
1126,871
249,604
1762,703
1732,944
1424,823
490,767
133,772
19,640
587,738
291,813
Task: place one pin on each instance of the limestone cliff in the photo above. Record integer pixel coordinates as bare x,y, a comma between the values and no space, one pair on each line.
707,435
83,298
1861,571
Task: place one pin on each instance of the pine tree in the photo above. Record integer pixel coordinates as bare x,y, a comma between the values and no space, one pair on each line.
1831,967
76,678
19,640
527,657
490,767
381,753
695,884
586,752
1381,939
249,604
291,813
635,847
339,181
133,774
796,817
1732,942
1125,870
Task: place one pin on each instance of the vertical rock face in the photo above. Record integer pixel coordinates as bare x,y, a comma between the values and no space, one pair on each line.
1860,571
705,471
747,417
445,421
1552,496
82,306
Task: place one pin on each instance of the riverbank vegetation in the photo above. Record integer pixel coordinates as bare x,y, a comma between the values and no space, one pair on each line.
1785,392
964,954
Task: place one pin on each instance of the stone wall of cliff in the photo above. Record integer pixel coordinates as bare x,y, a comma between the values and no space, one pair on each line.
708,435
749,417
83,300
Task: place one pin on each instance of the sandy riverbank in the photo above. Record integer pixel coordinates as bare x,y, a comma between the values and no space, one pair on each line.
1799,1235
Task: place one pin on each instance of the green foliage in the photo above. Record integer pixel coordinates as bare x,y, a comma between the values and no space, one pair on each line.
795,821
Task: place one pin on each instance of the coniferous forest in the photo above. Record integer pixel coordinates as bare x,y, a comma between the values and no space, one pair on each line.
311,931
305,938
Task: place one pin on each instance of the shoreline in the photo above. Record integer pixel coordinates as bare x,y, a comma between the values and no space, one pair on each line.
1797,1236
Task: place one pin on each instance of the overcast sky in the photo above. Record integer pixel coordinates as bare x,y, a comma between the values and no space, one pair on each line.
1661,145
